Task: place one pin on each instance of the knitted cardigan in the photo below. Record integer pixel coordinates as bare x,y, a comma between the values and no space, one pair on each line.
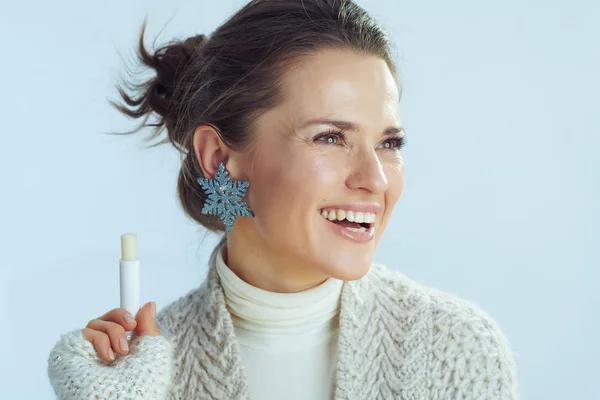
397,340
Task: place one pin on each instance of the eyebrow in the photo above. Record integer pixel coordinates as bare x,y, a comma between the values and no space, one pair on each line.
350,126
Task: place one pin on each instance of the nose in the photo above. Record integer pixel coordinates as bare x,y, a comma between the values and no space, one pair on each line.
367,173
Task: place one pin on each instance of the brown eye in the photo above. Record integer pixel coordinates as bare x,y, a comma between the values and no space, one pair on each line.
331,137
394,143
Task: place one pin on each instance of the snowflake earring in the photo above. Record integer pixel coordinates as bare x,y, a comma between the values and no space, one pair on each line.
225,197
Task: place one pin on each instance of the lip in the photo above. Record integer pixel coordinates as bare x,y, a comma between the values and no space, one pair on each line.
360,207
359,237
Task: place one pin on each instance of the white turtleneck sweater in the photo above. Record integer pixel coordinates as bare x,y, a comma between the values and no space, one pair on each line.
288,341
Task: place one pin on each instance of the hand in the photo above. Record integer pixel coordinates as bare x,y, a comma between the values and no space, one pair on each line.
107,333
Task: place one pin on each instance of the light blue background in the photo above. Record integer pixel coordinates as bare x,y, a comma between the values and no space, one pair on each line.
500,204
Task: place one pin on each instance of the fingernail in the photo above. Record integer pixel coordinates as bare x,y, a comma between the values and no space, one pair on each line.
111,354
128,318
153,309
123,344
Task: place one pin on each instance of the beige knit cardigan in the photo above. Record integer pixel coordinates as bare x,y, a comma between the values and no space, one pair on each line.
397,340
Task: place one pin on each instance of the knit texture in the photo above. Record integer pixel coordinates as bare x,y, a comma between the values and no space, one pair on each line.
76,371
397,340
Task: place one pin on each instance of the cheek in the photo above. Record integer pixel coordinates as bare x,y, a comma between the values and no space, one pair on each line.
288,187
395,178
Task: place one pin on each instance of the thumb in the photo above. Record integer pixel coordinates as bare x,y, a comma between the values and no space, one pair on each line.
146,322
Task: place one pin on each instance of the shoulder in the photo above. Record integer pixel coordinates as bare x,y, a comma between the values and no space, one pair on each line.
205,301
470,355
445,309
197,306
172,318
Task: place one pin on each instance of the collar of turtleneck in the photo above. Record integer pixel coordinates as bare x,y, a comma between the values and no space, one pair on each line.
260,311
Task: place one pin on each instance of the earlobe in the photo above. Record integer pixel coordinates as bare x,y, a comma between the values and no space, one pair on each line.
209,149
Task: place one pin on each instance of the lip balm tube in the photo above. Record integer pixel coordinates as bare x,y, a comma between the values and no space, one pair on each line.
129,273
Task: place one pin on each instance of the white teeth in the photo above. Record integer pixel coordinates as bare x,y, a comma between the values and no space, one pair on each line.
359,217
361,229
352,216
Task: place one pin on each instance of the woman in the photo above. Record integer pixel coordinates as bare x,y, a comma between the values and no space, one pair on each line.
289,113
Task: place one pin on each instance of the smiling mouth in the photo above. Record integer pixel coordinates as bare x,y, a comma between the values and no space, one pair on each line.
354,222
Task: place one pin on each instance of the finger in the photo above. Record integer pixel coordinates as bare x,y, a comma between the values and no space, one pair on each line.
146,323
120,316
100,341
115,332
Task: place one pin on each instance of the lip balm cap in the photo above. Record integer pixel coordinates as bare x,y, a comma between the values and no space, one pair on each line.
129,247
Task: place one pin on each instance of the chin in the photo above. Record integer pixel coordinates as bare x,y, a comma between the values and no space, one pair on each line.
350,270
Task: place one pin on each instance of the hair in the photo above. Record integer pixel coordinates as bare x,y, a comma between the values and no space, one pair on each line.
231,77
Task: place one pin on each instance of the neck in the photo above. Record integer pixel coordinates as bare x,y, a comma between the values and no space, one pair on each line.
268,268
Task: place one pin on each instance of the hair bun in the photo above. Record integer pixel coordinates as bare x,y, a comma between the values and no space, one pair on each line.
158,95
171,60
197,41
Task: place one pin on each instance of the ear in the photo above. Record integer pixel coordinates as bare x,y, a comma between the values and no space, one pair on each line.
209,149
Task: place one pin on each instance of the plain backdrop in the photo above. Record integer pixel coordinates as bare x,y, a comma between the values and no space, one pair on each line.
500,204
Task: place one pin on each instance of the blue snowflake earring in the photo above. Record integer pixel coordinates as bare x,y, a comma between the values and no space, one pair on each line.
225,197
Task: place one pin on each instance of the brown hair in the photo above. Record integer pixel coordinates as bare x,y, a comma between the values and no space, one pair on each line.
229,79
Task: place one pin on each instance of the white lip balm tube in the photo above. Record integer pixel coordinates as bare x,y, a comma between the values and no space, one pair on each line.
129,272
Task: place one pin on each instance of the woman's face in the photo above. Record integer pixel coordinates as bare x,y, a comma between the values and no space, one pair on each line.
304,167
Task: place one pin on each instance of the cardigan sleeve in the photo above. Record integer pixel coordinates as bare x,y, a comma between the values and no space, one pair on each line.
472,358
77,372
